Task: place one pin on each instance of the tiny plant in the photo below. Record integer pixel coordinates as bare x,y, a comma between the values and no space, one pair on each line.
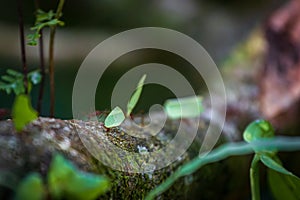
283,184
43,20
116,116
187,107
261,140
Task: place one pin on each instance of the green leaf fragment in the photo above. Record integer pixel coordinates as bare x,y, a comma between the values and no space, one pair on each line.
187,107
65,181
31,188
114,118
136,95
284,186
22,112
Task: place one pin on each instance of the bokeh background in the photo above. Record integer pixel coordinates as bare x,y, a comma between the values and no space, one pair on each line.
218,25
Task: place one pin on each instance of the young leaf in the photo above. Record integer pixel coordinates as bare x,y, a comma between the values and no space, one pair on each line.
187,107
22,112
284,186
31,188
67,182
114,118
258,129
136,95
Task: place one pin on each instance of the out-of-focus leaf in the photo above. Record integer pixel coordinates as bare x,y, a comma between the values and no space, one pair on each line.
66,182
31,188
187,107
284,186
136,95
22,112
59,176
86,186
13,81
114,118
272,164
14,73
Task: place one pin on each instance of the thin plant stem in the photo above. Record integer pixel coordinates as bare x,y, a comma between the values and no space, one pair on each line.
222,152
22,43
51,59
254,178
42,65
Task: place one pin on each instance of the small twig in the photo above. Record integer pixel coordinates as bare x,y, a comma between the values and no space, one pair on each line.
22,43
51,58
42,65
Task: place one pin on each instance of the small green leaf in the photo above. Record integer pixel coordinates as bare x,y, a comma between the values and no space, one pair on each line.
31,188
272,164
187,107
114,118
136,95
66,182
284,186
22,112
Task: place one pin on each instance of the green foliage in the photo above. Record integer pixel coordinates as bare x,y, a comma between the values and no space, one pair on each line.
14,81
237,149
22,112
284,186
136,95
31,188
258,130
114,118
65,181
187,107
43,19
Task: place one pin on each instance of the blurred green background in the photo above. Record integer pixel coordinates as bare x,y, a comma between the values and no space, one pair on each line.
218,25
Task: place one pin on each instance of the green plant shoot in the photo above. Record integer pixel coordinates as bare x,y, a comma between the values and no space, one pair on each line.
22,112
136,95
187,107
43,19
278,176
13,81
114,118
